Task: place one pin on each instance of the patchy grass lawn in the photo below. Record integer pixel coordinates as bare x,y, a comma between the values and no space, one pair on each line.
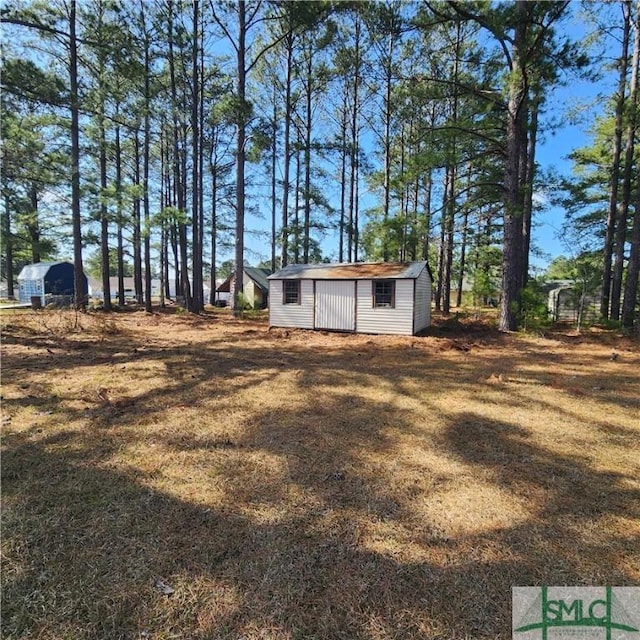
292,484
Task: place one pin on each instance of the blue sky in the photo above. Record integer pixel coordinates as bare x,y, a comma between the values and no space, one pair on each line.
553,150
552,154
570,112
575,105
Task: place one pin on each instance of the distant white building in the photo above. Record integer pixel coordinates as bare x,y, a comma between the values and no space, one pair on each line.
567,302
96,290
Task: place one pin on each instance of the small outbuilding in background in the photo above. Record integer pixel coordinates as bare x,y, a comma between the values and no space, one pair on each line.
569,302
389,297
255,287
49,281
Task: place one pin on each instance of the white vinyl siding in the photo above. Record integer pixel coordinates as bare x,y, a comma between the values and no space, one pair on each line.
422,308
397,320
249,290
251,293
337,297
30,288
335,305
291,315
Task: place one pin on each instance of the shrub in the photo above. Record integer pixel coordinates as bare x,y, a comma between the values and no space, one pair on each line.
534,314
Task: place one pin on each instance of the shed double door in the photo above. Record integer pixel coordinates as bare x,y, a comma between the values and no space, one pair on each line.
335,305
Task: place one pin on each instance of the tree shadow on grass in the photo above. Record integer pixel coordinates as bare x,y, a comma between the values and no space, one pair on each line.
448,359
576,524
584,520
194,374
325,527
85,543
332,548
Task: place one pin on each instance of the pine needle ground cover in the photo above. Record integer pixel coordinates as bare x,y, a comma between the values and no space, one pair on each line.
175,477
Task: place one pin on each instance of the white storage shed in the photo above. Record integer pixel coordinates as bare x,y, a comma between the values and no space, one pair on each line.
389,297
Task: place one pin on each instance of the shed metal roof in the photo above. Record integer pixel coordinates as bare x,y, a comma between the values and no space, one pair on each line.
257,274
351,271
38,270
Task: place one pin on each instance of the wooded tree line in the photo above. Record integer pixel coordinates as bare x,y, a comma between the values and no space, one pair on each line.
161,133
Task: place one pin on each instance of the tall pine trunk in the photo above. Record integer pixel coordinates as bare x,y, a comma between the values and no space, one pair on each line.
387,148
197,302
173,239
449,227
530,168
162,197
415,221
137,235
307,158
33,226
274,180
403,195
214,221
441,246
605,300
6,235
627,175
284,259
296,206
104,217
145,165
631,283
427,214
8,247
179,239
102,162
119,216
354,144
513,194
633,269
343,177
201,171
165,163
450,203
463,255
79,282
240,161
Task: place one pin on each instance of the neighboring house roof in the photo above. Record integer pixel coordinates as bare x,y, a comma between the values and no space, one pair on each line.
38,270
225,287
258,275
552,285
352,271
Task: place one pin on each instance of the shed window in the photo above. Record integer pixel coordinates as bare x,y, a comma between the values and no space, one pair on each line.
291,291
384,294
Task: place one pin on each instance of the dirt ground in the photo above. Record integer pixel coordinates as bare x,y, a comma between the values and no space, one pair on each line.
168,476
